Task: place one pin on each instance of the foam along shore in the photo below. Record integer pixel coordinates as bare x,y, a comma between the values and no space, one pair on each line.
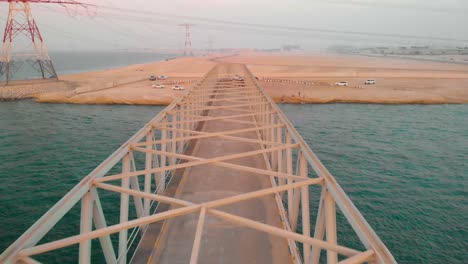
288,78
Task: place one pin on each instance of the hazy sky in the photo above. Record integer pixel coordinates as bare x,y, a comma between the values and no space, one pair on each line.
111,27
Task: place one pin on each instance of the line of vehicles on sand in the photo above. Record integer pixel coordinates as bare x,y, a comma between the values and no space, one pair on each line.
160,77
162,86
367,82
233,78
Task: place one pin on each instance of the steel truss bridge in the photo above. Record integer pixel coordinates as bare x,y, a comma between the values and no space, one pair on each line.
219,176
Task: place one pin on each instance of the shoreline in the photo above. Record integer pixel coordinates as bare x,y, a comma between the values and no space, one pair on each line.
287,78
420,58
281,101
277,100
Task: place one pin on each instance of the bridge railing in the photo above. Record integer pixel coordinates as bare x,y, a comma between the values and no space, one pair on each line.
331,192
148,161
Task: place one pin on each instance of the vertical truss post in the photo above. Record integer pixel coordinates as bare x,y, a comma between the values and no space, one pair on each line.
155,161
330,218
179,126
176,133
271,130
296,196
135,185
190,118
265,118
289,170
161,181
182,126
173,137
305,208
99,223
196,102
274,138
259,110
148,165
319,228
198,236
279,139
86,225
268,130
123,234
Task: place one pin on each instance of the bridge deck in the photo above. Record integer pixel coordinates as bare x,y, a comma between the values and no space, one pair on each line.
219,176
222,242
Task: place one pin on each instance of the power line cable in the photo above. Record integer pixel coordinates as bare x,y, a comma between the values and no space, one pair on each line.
283,28
405,6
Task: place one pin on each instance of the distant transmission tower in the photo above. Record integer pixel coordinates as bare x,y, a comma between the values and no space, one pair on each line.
188,40
210,45
21,24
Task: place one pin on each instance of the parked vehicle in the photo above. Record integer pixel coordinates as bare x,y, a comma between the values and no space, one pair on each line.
369,82
162,77
153,78
158,85
341,84
238,78
178,87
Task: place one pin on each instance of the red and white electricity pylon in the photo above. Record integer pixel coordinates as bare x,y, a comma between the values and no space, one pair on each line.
20,23
188,40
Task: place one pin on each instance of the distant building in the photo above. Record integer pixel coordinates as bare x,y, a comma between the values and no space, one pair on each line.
289,47
268,50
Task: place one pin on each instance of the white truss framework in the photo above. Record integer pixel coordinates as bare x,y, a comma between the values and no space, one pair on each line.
164,142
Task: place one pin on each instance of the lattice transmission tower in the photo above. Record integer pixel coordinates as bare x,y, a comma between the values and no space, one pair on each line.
21,31
210,45
188,39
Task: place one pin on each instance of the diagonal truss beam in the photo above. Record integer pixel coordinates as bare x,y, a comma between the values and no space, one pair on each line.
201,118
194,163
218,107
187,209
226,165
217,203
107,231
201,134
241,99
195,96
283,233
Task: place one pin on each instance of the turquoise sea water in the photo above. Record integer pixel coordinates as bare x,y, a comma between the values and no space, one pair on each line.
46,149
403,166
73,62
66,62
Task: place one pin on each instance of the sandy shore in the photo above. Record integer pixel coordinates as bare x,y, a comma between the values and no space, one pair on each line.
399,81
288,78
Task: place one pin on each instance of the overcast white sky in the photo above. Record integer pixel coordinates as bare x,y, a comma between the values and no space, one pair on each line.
112,29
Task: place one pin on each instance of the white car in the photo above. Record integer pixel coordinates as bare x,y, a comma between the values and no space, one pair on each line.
178,87
341,84
159,86
238,78
368,82
162,77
